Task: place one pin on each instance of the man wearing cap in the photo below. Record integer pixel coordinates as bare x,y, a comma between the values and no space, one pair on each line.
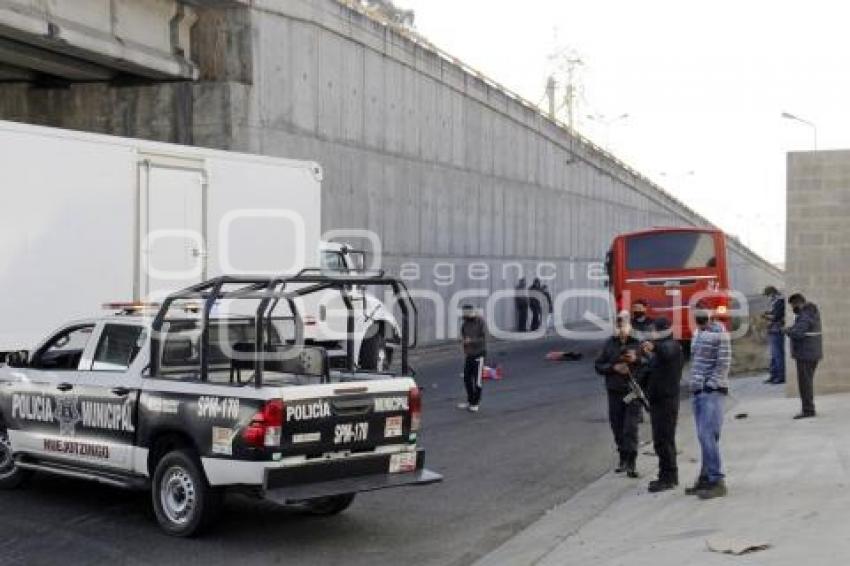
473,333
806,349
775,318
711,358
620,359
664,374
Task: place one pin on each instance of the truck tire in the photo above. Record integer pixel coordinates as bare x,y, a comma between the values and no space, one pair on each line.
183,501
11,476
327,506
374,354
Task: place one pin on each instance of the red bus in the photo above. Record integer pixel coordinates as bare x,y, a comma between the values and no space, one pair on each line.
673,270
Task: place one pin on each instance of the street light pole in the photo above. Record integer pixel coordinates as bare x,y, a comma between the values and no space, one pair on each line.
789,116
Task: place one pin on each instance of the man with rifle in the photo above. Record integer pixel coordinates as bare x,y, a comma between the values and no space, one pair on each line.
621,364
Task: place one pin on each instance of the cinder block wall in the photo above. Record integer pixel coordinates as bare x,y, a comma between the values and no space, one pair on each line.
818,253
449,170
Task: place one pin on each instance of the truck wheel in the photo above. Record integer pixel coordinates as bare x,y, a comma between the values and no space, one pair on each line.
183,501
374,354
327,506
11,476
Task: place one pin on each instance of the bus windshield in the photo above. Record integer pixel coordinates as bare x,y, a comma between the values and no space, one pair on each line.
670,250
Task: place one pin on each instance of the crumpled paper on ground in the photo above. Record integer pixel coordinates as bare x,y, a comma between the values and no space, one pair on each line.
735,547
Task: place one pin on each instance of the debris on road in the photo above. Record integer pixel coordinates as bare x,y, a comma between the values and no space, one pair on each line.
558,356
736,547
740,416
493,374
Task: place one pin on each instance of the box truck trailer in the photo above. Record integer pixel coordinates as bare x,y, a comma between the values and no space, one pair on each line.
89,219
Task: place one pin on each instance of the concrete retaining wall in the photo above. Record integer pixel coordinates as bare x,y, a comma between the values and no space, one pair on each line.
819,250
449,170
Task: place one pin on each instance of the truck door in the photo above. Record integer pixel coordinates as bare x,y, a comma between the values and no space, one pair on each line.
106,390
43,411
172,227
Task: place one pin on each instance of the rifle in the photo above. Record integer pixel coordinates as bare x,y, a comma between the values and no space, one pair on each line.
635,390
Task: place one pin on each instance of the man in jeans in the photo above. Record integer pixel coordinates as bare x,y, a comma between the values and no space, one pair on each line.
775,318
711,357
473,332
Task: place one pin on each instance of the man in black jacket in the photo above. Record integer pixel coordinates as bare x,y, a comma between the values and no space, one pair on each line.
663,376
473,333
806,349
535,299
521,305
620,358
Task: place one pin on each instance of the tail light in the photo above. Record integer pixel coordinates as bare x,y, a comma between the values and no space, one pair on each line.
414,399
266,427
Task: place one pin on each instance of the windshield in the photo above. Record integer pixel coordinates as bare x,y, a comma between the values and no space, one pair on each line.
670,250
333,262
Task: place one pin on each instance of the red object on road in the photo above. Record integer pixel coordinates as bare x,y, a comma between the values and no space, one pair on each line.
493,374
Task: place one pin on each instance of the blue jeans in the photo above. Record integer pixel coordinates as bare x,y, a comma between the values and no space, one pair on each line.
708,414
777,356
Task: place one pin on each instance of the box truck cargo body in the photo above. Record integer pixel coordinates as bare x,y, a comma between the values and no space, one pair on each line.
87,219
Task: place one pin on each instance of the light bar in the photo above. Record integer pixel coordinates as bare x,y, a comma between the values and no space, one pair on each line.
130,307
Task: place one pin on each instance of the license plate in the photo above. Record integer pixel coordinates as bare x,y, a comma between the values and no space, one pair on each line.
346,433
403,463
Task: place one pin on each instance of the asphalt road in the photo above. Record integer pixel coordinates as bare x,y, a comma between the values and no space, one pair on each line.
541,436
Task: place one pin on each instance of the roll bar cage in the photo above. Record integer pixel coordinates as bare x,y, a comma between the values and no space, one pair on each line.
270,291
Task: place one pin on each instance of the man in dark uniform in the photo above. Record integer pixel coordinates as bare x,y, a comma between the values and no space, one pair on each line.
535,299
620,358
663,376
521,304
806,349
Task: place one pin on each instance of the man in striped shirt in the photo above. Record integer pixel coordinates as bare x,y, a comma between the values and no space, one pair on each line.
711,357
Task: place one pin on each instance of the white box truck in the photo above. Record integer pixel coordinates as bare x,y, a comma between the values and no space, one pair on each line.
89,219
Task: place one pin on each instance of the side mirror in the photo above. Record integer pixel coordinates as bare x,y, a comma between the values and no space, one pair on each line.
18,359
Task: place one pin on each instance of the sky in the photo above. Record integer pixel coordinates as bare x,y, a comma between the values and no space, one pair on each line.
704,85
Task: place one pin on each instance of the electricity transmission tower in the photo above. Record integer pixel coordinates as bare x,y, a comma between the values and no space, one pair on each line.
566,64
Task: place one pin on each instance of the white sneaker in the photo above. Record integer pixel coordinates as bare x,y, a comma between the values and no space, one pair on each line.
473,408
463,405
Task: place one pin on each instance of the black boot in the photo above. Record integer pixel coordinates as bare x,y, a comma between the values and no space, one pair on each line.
631,467
621,467
663,483
660,485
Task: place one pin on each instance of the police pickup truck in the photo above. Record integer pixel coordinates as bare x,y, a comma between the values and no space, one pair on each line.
213,391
